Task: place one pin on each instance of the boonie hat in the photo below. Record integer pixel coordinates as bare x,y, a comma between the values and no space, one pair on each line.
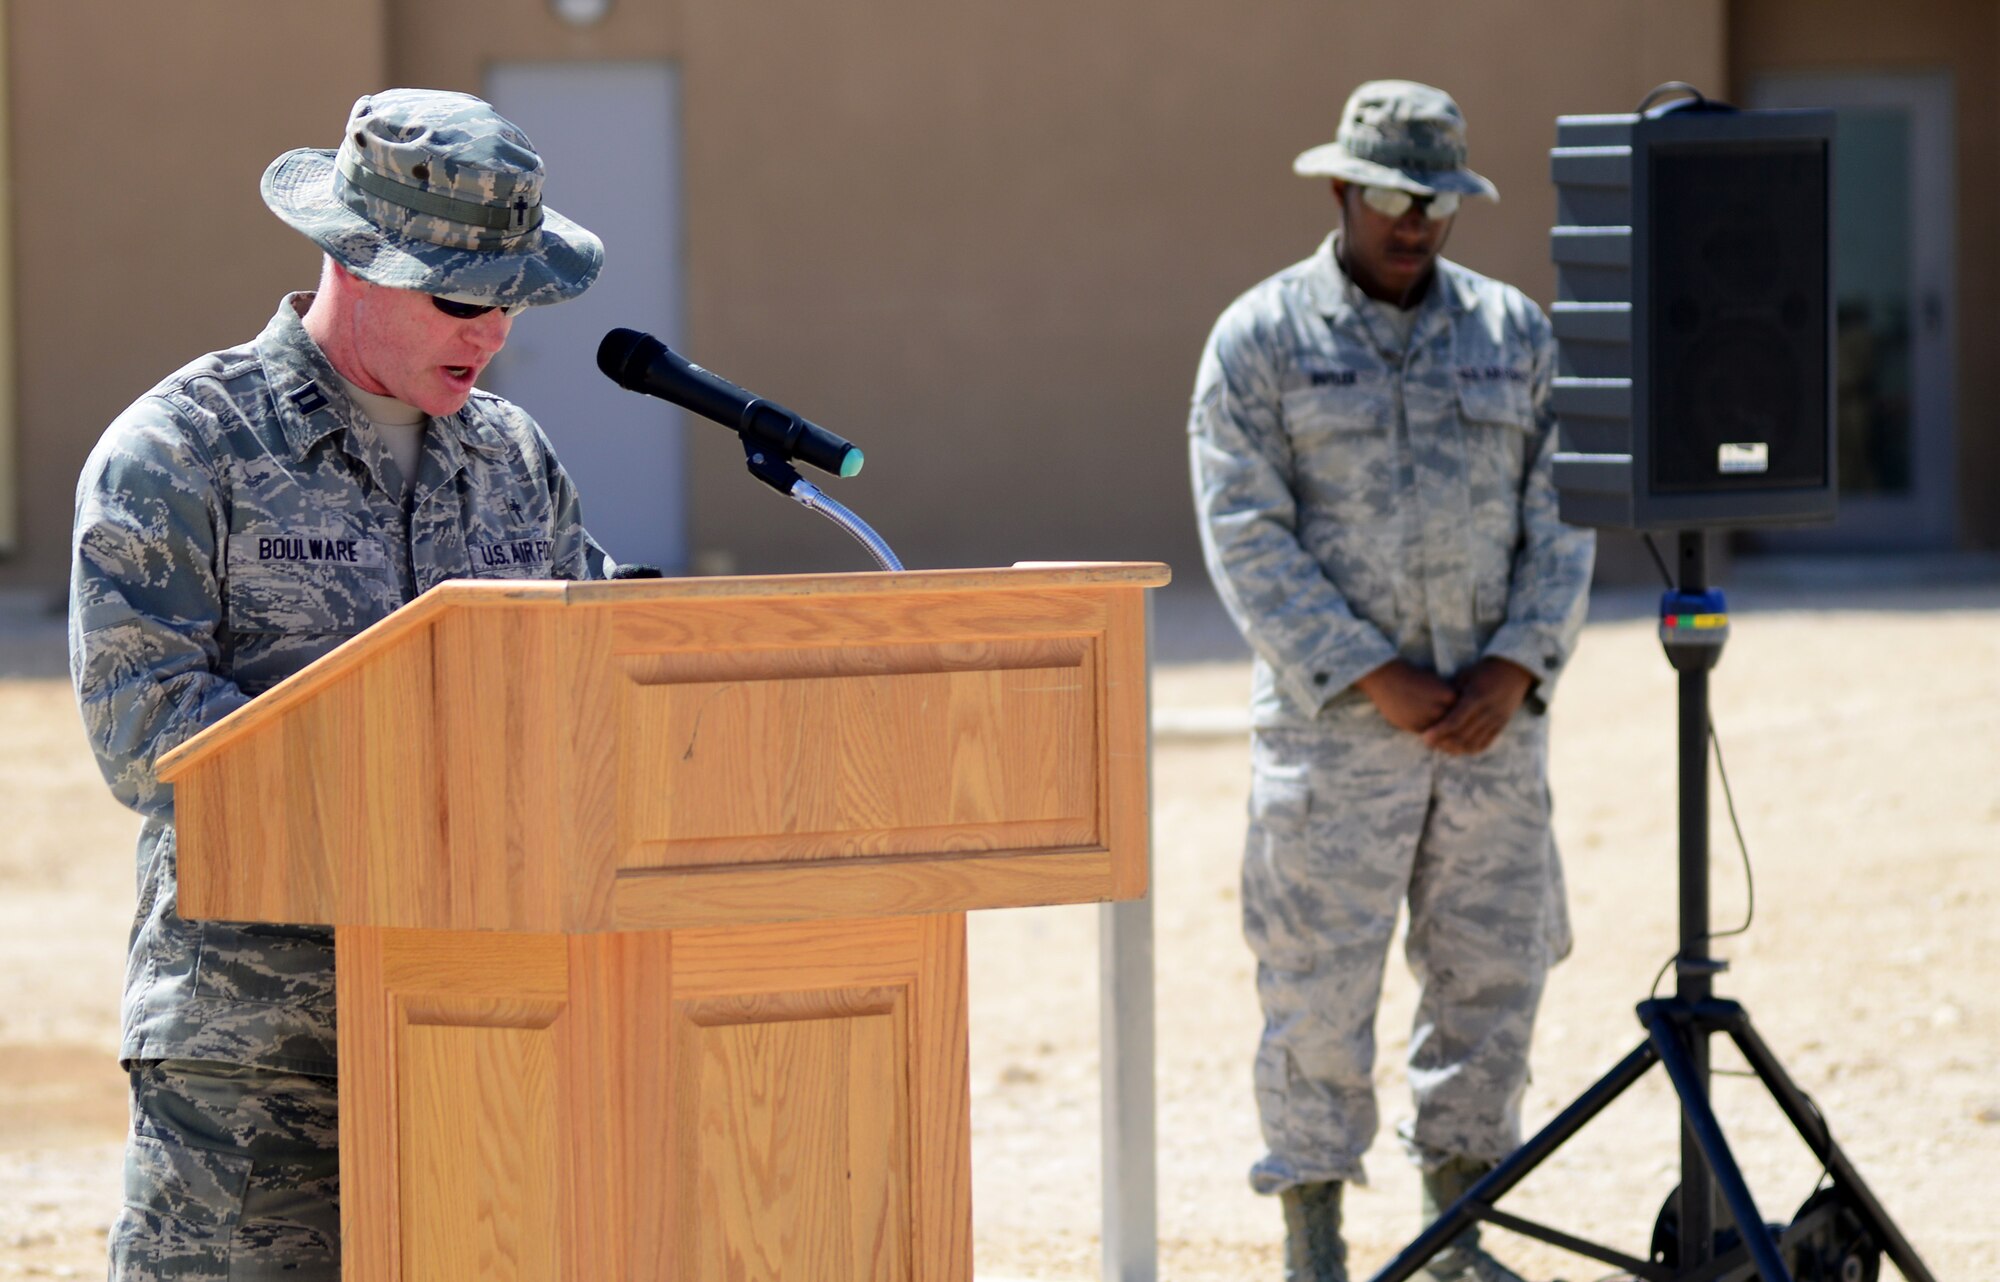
437,192
1398,133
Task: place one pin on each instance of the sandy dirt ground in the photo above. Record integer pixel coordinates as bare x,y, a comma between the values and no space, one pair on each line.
1862,732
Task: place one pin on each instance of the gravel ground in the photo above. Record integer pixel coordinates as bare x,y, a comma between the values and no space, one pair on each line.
1862,725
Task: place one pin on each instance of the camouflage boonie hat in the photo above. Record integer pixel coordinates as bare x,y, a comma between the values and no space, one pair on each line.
436,192
1398,133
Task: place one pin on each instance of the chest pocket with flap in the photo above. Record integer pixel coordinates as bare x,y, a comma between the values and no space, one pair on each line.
1344,449
326,581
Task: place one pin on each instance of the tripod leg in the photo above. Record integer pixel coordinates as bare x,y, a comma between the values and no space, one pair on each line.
1707,1131
1465,1212
1813,1129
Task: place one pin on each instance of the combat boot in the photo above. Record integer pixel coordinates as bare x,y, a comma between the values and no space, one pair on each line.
1314,1251
1463,1260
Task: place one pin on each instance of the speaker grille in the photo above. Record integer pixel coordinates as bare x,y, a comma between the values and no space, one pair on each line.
1738,288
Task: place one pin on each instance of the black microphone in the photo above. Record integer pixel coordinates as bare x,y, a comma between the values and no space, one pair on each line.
641,363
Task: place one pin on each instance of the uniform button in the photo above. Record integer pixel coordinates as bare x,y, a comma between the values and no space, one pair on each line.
1320,678
1549,662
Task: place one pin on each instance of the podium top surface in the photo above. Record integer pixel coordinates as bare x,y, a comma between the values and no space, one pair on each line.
500,593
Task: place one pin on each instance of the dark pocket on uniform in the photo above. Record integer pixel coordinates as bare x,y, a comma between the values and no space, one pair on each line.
1280,800
272,965
181,1204
1344,455
323,583
1277,864
1499,447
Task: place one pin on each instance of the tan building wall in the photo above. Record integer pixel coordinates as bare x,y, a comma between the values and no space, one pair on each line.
137,139
992,248
984,241
9,381
1962,37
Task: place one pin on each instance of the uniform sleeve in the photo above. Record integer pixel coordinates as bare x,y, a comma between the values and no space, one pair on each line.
576,554
1275,590
1550,591
145,600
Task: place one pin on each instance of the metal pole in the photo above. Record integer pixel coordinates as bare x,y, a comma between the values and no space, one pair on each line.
1125,1059
1478,1200
1712,1156
1813,1129
1694,978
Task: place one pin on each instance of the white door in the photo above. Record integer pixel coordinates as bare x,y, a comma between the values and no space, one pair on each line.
609,134
1894,260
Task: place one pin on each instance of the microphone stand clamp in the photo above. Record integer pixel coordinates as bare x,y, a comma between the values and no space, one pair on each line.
777,472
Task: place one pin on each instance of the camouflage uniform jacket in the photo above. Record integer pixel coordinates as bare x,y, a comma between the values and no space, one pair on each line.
1356,507
231,527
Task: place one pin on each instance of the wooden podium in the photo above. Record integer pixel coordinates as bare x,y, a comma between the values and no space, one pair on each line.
648,901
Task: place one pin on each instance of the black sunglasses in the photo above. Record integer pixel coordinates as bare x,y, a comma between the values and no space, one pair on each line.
467,311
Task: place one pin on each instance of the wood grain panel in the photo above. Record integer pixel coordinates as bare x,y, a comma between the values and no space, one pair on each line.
477,1145
1126,716
942,1111
838,973
479,1012
577,1072
371,1224
287,825
589,778
736,961
618,1084
310,682
222,880
512,1099
606,1001
994,613
794,1139
474,964
505,739
776,663
656,899
1023,576
929,844
443,1038
474,762
397,859
833,767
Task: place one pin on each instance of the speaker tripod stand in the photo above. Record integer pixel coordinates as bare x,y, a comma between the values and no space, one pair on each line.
1711,1230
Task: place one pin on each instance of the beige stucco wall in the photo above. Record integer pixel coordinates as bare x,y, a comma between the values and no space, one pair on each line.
449,44
984,241
137,139
9,382
988,240
1962,37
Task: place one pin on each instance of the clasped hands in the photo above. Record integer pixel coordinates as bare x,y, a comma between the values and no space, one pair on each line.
1462,716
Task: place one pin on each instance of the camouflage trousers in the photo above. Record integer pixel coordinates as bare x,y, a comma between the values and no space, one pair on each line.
232,1174
1347,821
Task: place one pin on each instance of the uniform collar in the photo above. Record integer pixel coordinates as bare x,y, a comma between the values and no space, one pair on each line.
1335,297
312,404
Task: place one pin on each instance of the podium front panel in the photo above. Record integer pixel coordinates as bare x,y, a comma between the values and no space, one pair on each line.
760,1102
851,755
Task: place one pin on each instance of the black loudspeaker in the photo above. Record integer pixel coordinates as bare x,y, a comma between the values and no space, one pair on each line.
1693,317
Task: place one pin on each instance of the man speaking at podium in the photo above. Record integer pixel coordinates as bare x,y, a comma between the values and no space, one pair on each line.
1371,445
243,518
